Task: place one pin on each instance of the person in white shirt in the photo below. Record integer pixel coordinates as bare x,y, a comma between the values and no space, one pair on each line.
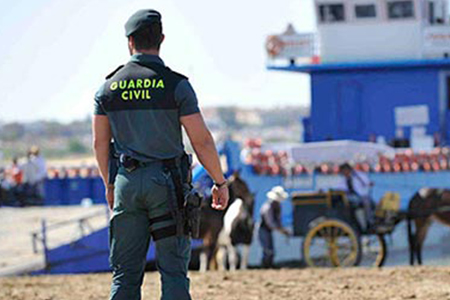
354,182
30,170
39,161
30,179
271,220
41,172
357,185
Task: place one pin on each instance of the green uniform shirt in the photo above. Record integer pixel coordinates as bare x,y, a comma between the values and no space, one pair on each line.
144,101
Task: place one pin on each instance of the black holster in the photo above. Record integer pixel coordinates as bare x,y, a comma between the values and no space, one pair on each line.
186,210
192,212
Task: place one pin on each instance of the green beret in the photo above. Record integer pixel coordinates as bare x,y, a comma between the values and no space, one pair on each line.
141,18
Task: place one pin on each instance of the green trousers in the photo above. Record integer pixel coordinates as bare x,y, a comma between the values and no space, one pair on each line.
140,197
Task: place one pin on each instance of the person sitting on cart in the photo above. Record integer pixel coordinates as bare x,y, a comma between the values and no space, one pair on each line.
357,185
271,220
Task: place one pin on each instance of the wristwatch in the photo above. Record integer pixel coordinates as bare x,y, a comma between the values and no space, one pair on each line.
220,185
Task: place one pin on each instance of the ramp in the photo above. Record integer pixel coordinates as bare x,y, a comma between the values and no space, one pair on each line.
21,231
56,240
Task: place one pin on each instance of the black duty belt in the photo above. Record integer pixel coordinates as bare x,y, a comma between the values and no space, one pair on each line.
130,164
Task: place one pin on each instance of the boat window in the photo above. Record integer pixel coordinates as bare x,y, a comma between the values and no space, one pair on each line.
330,13
435,13
431,17
365,11
400,9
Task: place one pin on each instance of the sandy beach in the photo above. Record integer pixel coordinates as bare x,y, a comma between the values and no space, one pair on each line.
425,283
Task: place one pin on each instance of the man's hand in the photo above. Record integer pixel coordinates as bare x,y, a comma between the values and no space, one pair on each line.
110,196
285,232
220,197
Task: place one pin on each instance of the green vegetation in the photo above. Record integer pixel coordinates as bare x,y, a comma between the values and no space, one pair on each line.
77,147
59,141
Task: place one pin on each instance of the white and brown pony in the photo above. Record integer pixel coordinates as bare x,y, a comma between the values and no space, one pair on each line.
237,230
212,221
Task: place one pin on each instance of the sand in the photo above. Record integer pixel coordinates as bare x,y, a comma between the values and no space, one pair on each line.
427,283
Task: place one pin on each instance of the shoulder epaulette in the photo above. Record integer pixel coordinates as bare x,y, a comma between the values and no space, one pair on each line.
114,72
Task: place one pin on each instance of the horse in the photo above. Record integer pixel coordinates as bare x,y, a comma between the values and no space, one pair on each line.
426,205
212,221
237,230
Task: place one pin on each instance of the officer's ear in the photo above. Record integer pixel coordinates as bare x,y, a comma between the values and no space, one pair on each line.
131,42
162,39
132,45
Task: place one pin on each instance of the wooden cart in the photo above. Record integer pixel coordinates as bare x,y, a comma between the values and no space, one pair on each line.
334,232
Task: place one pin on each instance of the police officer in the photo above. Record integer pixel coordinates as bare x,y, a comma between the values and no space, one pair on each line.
142,107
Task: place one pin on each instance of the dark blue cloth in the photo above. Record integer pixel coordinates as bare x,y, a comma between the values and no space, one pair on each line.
266,240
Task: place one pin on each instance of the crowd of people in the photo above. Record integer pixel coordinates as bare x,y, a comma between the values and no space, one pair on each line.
22,182
270,162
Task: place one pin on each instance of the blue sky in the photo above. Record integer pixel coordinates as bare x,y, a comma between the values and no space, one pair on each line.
55,54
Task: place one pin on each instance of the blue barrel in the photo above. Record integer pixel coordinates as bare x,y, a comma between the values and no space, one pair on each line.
77,189
54,191
97,190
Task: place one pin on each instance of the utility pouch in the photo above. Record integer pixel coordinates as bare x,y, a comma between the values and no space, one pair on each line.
128,163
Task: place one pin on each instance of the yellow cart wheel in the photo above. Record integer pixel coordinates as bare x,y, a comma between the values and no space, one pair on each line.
374,250
331,243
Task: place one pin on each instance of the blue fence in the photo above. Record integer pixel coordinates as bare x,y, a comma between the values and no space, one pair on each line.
71,191
406,184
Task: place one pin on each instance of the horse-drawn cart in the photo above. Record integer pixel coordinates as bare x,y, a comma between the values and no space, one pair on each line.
334,232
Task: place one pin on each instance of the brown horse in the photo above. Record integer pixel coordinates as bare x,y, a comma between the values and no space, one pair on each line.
426,205
212,221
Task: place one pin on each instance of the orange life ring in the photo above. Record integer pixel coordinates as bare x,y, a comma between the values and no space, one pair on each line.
274,45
